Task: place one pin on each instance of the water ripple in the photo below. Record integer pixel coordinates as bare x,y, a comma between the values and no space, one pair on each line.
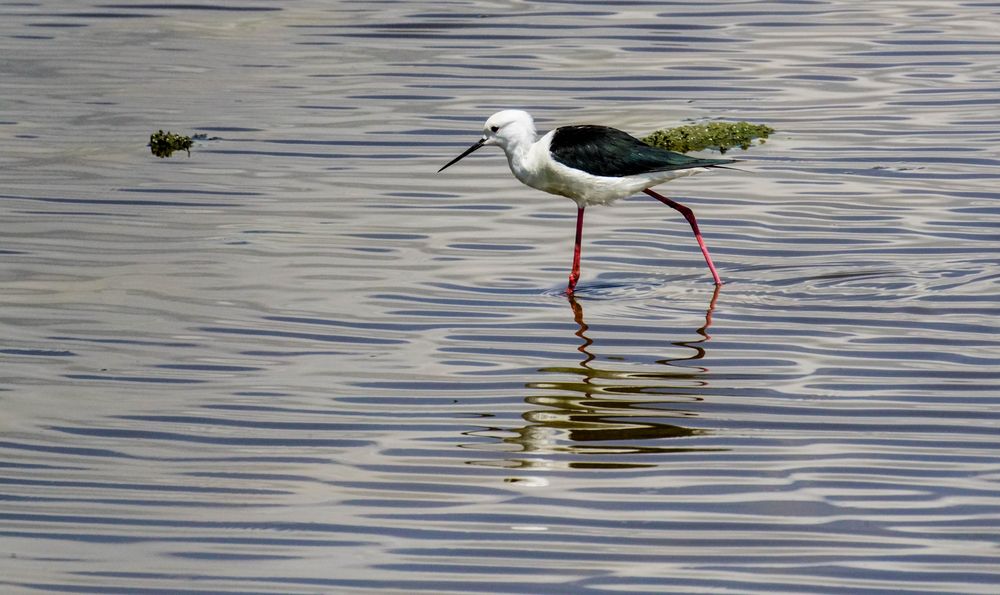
298,361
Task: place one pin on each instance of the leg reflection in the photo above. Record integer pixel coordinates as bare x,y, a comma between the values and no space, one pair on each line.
618,408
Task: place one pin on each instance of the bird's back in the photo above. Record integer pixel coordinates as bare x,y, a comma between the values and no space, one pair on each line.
609,152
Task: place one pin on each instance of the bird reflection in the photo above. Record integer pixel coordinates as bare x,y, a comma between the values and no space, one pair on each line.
608,411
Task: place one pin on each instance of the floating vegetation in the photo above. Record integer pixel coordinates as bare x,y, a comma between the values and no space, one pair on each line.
163,144
710,135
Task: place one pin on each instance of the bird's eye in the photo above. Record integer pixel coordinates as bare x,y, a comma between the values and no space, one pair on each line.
494,128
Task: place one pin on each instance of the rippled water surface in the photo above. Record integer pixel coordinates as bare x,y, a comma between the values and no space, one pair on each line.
300,361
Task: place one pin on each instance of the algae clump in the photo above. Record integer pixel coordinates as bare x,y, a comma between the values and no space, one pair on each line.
163,144
710,135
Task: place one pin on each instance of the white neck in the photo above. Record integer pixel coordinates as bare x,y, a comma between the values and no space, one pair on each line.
516,144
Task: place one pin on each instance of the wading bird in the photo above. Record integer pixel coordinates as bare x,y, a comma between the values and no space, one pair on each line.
592,165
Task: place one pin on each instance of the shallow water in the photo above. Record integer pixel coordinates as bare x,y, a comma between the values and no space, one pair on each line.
300,361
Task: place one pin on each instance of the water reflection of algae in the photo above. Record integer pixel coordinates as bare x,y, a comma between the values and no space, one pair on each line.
612,412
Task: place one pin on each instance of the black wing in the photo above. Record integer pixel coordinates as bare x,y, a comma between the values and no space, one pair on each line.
605,151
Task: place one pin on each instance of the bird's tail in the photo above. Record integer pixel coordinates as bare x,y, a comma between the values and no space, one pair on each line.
727,167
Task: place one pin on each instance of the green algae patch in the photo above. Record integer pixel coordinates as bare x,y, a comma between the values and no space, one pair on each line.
163,144
710,135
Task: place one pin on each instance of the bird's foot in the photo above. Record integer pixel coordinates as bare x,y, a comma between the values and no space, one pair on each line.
572,284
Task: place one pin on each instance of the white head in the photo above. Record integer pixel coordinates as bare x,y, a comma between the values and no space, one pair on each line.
508,126
503,129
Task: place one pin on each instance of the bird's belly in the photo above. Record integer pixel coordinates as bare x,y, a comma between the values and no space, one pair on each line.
586,189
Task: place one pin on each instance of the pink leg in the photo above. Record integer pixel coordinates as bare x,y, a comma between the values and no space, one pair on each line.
575,273
689,215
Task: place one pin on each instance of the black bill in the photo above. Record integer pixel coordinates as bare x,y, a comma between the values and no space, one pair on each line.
478,144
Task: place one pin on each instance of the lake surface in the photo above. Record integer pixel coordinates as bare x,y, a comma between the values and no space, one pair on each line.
300,361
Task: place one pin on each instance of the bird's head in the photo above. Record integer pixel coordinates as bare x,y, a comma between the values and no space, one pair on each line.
509,125
502,129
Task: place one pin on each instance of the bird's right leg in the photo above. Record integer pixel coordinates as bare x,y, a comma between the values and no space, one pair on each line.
689,215
574,275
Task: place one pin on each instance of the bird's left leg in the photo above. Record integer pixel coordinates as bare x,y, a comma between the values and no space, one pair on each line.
574,275
689,215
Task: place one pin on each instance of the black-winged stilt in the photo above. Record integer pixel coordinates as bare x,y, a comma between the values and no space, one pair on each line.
592,165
